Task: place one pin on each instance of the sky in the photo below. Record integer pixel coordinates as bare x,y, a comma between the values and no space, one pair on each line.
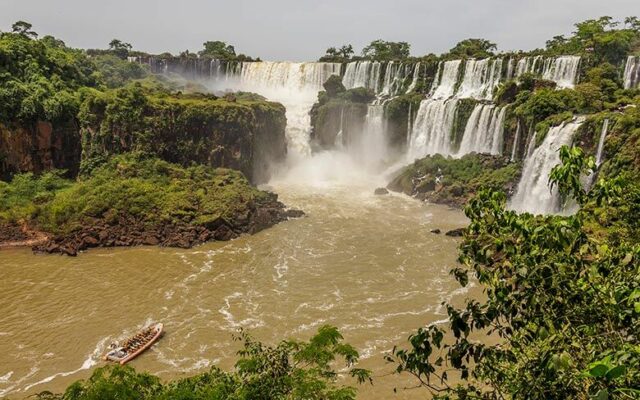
301,30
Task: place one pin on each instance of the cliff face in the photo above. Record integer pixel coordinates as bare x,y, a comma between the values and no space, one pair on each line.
328,119
39,147
248,136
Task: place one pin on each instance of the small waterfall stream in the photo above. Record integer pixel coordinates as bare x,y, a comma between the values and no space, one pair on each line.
533,193
632,72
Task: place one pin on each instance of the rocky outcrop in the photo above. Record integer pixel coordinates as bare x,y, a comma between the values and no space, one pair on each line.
453,181
39,147
339,115
248,136
129,231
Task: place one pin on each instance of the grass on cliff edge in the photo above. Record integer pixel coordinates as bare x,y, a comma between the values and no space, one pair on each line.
147,188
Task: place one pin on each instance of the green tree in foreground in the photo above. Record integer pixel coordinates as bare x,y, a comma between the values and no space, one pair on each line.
291,370
562,300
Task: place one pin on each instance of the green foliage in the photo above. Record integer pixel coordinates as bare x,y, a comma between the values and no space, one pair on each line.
598,37
290,370
176,127
218,49
561,298
342,54
151,190
115,72
386,51
119,48
568,176
333,86
21,199
473,48
459,179
39,78
24,29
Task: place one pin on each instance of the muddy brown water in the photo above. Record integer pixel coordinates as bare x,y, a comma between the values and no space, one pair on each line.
366,264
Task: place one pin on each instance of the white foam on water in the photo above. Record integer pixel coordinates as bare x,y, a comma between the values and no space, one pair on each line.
90,361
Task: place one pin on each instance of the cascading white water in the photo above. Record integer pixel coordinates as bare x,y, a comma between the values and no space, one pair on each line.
603,136
414,79
480,78
516,141
431,132
394,77
533,193
445,81
370,149
295,85
528,65
364,74
510,68
483,132
632,72
562,70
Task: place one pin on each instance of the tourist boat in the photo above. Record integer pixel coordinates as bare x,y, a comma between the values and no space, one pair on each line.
135,345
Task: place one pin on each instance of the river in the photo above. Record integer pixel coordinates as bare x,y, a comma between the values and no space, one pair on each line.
364,263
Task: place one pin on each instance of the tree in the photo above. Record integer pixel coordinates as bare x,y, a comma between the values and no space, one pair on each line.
633,23
475,48
561,295
119,48
24,28
346,51
386,51
218,49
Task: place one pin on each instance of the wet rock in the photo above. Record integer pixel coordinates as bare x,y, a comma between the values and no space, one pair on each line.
436,231
151,241
380,191
458,232
292,213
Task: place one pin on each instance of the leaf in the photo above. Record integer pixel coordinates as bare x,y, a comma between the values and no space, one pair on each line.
598,370
616,372
602,395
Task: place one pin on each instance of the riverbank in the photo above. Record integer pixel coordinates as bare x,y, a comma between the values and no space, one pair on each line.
134,200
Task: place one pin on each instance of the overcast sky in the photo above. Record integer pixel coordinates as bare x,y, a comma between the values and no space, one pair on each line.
300,30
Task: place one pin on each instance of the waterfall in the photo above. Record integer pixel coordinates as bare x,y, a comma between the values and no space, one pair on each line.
370,147
632,73
562,70
531,144
364,74
533,193
431,131
414,80
394,77
480,78
603,135
444,84
295,85
339,136
528,65
514,150
510,68
410,124
484,129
